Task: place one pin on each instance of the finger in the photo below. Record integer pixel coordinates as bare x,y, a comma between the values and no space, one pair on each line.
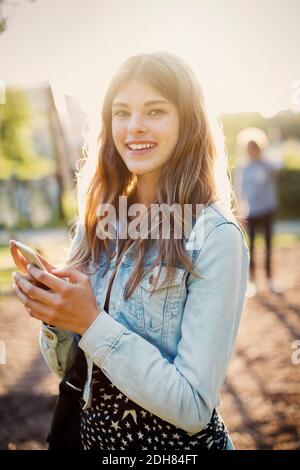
46,263
18,258
25,276
35,292
20,294
21,261
47,279
32,279
34,308
72,273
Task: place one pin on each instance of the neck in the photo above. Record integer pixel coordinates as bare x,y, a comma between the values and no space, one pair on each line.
146,189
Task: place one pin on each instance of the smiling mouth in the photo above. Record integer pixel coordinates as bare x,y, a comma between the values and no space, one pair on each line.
141,151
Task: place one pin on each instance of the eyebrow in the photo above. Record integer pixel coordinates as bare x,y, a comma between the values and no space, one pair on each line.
147,103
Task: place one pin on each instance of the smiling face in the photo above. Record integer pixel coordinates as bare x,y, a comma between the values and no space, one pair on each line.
144,116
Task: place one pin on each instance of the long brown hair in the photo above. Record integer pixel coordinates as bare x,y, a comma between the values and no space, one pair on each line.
187,178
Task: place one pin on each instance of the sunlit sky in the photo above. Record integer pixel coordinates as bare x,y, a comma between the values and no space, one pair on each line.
244,52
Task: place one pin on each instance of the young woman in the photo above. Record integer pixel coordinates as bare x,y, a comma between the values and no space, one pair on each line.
157,317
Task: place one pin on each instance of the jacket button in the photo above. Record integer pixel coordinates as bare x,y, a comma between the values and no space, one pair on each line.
151,279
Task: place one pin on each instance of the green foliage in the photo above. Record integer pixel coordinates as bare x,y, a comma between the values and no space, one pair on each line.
292,160
69,205
289,194
17,154
2,25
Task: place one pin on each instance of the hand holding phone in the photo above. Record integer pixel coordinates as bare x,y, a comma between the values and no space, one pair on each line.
24,255
30,255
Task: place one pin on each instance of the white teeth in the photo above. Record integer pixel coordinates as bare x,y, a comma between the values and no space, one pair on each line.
140,146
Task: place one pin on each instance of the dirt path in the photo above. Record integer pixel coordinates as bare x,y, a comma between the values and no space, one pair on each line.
260,399
261,396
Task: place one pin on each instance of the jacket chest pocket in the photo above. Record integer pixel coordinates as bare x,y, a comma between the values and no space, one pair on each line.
163,304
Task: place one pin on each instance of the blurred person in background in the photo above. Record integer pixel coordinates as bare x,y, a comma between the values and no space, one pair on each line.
258,188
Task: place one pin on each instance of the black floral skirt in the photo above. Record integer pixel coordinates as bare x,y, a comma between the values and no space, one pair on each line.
114,422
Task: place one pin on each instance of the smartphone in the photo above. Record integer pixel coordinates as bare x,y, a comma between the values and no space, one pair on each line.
30,255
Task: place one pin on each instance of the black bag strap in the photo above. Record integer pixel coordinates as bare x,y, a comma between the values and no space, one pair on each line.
64,432
76,375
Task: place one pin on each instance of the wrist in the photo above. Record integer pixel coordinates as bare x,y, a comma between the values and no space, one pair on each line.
92,317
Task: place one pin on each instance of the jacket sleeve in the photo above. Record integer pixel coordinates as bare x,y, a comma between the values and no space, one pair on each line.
184,392
58,348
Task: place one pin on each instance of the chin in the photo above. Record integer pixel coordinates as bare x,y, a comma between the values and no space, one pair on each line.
140,170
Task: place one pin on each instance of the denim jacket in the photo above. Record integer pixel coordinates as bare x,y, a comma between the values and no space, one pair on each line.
168,352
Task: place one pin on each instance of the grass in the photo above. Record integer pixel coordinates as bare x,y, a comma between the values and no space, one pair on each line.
3,250
282,240
6,280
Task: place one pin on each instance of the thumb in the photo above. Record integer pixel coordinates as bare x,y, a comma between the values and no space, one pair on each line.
68,271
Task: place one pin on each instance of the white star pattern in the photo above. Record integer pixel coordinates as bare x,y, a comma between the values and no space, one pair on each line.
115,425
132,412
113,421
106,397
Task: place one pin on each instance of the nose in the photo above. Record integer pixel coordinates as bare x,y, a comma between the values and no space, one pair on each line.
136,124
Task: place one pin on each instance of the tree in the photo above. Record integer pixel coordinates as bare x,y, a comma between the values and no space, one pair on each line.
18,157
